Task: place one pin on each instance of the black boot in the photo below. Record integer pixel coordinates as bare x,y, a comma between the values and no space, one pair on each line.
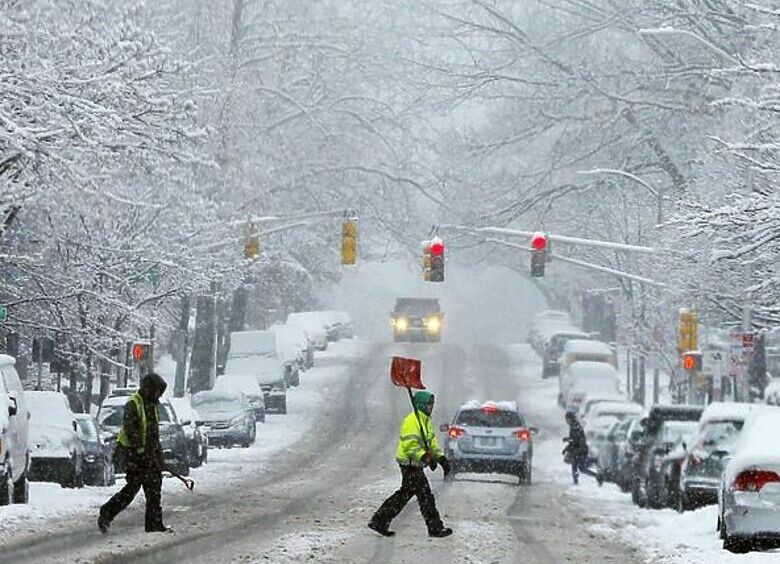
103,523
440,533
383,530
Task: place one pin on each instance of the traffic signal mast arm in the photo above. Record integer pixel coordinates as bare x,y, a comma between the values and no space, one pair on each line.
581,263
570,240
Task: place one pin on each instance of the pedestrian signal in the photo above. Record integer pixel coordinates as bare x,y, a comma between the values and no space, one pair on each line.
692,361
141,351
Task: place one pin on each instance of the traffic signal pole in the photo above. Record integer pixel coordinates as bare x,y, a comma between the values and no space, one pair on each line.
581,263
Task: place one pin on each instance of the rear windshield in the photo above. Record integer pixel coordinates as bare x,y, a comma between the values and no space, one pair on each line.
480,418
417,306
719,434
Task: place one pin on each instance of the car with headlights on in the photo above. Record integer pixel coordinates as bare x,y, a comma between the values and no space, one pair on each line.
417,319
98,466
749,492
228,417
490,438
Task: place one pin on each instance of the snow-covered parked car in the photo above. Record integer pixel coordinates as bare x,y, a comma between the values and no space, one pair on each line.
586,378
14,435
246,384
172,435
492,437
56,450
98,454
255,353
719,429
553,350
196,439
749,493
295,337
580,350
338,324
311,323
228,417
545,324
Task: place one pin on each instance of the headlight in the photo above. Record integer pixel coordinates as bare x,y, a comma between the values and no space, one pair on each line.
402,324
90,458
433,324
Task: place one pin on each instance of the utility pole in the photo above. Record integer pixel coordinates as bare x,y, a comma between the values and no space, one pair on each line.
181,346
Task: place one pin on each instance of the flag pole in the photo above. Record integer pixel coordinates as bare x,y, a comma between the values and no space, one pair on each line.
419,423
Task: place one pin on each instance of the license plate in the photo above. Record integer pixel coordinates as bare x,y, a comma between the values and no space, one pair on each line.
488,441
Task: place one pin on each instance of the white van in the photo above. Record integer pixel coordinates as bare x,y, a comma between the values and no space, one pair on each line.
14,435
584,378
577,350
255,353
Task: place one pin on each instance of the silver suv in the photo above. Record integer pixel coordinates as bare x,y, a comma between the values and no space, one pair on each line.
490,438
14,435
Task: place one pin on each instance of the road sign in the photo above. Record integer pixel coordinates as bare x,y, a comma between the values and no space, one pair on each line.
747,342
3,313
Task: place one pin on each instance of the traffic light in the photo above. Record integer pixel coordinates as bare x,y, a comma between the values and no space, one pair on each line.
251,241
689,331
141,351
437,260
427,260
349,235
538,254
692,361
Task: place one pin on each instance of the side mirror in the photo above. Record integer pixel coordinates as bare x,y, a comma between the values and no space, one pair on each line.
444,427
75,426
534,430
719,454
13,407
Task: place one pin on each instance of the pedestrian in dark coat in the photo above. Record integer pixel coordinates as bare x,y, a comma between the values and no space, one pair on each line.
138,444
576,450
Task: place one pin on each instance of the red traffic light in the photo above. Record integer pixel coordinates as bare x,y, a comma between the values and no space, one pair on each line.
539,241
140,351
437,247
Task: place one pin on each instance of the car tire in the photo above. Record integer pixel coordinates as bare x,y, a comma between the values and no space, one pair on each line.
525,475
735,545
21,493
6,486
296,380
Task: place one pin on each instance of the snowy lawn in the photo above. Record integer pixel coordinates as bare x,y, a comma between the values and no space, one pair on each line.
663,535
49,501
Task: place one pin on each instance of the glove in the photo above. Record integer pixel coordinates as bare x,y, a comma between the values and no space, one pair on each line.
430,461
445,465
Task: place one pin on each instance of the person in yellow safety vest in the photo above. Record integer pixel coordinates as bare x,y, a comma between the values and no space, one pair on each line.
138,444
417,449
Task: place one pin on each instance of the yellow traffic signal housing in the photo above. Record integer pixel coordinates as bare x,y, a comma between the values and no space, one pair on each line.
349,237
689,331
251,241
427,261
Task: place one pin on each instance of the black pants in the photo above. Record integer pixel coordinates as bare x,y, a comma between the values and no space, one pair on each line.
148,477
579,464
413,483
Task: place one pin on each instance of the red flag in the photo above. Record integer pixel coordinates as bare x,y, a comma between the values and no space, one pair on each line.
407,373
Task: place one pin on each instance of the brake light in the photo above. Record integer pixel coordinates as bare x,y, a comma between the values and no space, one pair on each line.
455,432
523,435
490,409
754,480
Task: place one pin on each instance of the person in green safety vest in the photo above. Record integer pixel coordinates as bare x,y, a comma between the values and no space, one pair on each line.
138,444
417,448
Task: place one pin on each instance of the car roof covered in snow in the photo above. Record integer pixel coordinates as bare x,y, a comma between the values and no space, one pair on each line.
727,411
490,404
757,446
48,409
627,407
246,383
590,369
252,343
553,314
587,347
